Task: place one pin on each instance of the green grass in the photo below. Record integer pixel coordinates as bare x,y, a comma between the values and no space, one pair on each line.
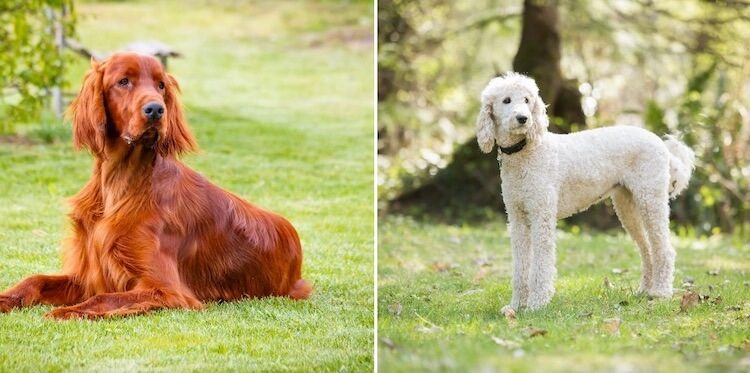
441,288
281,103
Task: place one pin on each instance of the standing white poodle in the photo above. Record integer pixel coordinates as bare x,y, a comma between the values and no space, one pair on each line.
547,176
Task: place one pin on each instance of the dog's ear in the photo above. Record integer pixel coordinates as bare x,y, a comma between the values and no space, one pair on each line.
540,121
87,113
486,128
177,138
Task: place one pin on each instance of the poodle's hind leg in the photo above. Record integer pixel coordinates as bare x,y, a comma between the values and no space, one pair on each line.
630,217
543,271
656,218
520,242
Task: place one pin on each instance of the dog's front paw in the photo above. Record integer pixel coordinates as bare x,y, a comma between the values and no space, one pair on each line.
508,311
71,313
8,303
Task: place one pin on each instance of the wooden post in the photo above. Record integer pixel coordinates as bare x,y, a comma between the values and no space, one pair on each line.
58,28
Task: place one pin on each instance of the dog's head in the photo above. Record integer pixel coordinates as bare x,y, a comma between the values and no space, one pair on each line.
511,105
129,97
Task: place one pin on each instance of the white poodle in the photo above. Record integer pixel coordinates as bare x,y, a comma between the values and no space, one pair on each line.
547,176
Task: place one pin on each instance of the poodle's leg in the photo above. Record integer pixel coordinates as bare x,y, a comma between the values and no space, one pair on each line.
631,220
543,271
520,243
656,218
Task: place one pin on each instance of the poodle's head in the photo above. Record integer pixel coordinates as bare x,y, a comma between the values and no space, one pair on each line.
511,108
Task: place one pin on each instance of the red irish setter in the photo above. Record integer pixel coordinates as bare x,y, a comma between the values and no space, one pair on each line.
149,232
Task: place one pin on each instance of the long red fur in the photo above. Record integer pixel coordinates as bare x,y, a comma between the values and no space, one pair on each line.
149,232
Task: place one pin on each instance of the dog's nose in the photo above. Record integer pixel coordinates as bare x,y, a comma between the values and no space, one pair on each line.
153,110
521,118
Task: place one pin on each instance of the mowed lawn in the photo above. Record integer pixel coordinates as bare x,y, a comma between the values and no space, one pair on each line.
280,98
441,289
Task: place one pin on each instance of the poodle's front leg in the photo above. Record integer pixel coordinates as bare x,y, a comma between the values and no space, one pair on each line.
520,242
543,271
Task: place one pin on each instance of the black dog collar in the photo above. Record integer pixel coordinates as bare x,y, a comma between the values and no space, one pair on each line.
513,148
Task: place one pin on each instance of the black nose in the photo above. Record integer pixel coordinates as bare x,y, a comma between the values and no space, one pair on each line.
153,111
521,119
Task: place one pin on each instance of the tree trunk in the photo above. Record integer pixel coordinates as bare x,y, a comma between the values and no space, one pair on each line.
471,182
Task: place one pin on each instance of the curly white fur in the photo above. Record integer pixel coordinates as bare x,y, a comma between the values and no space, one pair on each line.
554,176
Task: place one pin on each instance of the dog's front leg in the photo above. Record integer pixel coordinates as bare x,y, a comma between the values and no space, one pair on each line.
543,271
41,289
520,242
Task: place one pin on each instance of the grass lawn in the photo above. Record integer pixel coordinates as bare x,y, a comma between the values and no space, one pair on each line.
280,98
441,288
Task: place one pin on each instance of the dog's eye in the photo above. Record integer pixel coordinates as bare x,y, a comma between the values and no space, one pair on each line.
161,85
123,82
506,100
527,100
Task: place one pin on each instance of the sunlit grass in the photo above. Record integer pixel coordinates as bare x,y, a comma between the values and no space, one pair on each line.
283,112
441,289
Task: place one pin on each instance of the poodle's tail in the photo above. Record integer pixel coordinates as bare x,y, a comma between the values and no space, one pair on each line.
681,164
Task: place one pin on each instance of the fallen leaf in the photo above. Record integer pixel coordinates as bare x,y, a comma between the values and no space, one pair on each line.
441,267
395,309
689,300
612,326
505,343
534,332
387,342
428,330
480,275
716,300
484,261
607,283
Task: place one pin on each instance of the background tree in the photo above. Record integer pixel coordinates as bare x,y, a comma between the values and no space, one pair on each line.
31,59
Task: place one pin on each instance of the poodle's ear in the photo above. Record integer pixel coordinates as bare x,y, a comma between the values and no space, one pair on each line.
177,138
486,128
540,120
87,112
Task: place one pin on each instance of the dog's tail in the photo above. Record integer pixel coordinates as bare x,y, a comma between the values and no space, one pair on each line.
301,290
681,164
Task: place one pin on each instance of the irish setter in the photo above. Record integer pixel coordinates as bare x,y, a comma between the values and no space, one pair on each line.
149,232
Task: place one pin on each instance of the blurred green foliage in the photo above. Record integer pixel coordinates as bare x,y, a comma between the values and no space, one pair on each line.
678,67
30,60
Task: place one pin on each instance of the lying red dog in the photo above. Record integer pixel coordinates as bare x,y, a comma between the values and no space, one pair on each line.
148,232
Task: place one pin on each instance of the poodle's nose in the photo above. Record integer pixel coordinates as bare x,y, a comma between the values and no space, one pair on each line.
521,118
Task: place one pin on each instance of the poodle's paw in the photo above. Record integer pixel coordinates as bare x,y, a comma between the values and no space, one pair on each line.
508,311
